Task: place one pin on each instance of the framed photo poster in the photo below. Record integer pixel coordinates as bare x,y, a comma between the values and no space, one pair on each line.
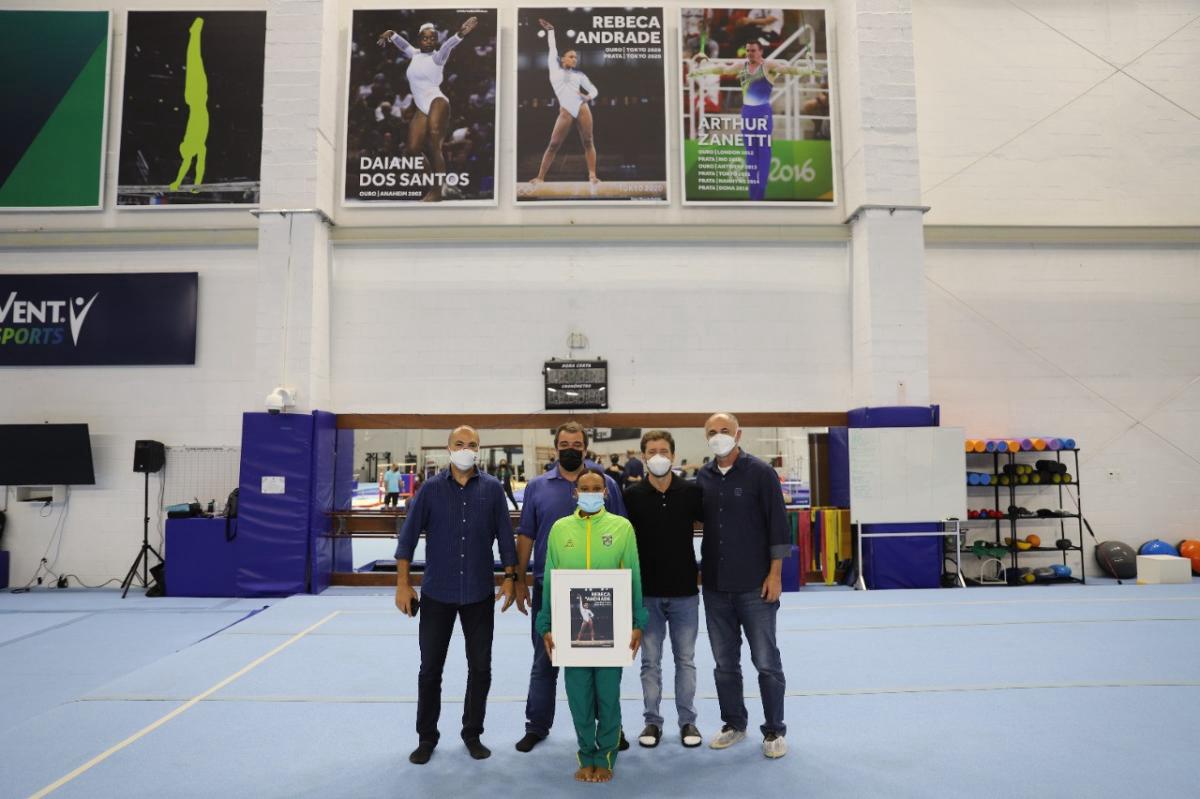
591,615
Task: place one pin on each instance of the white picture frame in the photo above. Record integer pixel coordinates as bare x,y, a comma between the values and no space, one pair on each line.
606,642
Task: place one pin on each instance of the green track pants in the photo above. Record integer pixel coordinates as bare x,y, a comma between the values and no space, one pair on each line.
594,695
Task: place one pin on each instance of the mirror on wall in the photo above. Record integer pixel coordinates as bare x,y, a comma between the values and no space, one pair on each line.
417,454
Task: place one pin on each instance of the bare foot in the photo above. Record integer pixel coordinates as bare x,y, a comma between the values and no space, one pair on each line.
584,774
594,180
535,181
601,774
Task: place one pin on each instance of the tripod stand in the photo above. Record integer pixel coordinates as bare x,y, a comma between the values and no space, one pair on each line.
143,555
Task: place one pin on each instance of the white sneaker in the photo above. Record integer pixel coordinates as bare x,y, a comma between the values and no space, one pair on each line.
774,746
726,738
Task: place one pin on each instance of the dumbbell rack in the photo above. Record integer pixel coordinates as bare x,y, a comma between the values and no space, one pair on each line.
1014,521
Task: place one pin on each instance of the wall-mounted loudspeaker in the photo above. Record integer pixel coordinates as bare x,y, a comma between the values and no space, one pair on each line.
148,456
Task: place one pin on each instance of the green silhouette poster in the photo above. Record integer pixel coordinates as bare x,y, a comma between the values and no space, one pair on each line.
52,106
191,124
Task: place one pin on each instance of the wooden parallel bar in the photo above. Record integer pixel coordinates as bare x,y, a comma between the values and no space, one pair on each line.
377,524
389,578
549,421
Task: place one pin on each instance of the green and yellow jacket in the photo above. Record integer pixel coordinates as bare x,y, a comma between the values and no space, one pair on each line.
600,541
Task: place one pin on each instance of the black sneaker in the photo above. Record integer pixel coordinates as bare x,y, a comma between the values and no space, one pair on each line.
530,740
477,749
624,744
420,756
650,736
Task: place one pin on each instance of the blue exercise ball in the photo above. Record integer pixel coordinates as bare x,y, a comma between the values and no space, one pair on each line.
1158,547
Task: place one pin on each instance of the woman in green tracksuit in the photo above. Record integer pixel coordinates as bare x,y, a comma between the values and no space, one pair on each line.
593,538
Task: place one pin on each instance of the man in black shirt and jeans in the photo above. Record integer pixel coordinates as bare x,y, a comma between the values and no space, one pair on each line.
663,509
746,538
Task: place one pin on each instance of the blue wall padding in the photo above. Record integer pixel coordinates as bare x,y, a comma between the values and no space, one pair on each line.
902,562
273,529
323,468
791,570
200,562
343,493
839,467
890,562
895,416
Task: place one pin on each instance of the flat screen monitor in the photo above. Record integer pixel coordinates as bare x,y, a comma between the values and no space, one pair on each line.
45,454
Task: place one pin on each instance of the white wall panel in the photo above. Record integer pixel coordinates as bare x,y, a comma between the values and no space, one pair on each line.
1101,344
1025,117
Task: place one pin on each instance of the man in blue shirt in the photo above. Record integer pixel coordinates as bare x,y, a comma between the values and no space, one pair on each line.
548,498
462,511
391,484
746,538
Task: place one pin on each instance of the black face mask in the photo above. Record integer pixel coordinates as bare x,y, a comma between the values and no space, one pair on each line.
570,459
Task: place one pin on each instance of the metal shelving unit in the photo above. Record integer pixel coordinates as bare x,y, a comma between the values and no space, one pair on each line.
1015,521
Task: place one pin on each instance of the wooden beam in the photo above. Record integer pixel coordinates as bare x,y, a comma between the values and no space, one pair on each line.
549,421
389,578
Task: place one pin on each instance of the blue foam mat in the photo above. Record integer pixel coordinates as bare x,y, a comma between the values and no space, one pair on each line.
901,693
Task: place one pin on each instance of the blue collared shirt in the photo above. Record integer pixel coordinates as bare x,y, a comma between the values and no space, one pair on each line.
745,524
460,523
548,498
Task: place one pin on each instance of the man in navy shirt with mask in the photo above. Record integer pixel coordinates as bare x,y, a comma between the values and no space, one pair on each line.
746,538
548,498
462,511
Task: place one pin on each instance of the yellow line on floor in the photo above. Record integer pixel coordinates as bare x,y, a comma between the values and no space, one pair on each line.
107,753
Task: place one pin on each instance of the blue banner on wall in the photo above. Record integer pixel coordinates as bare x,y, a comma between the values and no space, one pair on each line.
98,319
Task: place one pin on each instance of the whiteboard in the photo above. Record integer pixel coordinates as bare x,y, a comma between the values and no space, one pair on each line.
907,474
201,474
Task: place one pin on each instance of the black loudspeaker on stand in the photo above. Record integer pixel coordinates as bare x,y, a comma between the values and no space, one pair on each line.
148,457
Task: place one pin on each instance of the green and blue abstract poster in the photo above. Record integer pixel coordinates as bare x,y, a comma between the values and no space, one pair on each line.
191,108
52,103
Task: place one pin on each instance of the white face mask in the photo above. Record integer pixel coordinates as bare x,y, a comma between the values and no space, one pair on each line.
463,459
659,465
722,444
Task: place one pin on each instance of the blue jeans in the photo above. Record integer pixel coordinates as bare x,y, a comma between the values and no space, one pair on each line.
727,615
681,615
543,677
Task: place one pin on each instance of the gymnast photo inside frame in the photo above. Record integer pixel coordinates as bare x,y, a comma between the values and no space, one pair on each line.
575,94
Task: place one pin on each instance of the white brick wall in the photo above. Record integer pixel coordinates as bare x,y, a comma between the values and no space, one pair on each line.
197,405
424,329
877,87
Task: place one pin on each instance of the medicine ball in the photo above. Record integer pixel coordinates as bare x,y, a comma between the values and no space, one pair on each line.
1016,576
1190,548
1157,546
1117,559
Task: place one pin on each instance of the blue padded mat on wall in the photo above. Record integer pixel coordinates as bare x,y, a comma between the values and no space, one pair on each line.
273,529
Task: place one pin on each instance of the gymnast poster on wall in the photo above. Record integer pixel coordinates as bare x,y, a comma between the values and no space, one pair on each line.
421,107
591,105
191,108
757,120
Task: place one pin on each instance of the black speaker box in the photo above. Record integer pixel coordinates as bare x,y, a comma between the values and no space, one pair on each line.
148,456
